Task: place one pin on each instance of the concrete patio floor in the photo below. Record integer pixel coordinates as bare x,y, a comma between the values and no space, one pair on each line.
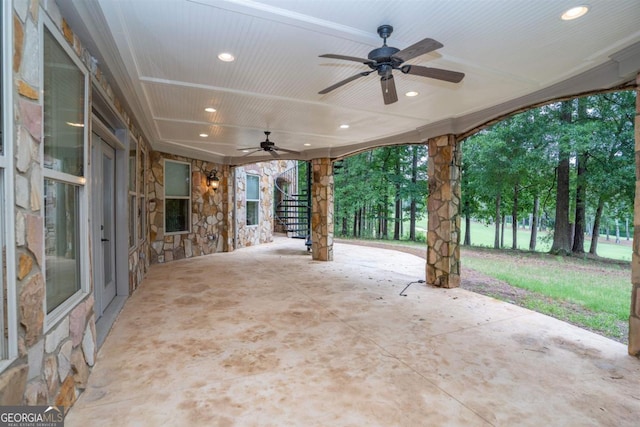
264,336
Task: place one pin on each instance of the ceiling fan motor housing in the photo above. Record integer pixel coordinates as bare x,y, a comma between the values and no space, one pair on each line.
383,54
267,145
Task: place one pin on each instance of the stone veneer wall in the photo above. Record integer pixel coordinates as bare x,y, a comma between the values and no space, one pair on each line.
322,209
139,256
634,318
209,212
443,206
268,172
51,367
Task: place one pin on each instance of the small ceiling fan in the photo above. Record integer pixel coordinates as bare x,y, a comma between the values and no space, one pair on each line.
385,59
268,146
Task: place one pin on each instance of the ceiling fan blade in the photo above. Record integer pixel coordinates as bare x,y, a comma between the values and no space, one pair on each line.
419,48
247,148
346,58
273,153
434,73
286,150
389,92
251,152
344,82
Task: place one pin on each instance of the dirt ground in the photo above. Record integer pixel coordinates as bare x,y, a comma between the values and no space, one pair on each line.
475,281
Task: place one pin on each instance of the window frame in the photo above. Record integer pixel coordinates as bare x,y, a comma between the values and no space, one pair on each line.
247,200
57,314
142,194
132,195
7,213
188,198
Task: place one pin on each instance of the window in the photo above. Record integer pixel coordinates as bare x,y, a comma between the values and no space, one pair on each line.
61,213
133,175
66,233
8,318
142,205
4,338
177,196
253,199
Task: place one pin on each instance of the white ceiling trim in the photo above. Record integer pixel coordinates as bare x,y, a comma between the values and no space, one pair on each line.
155,80
283,16
258,129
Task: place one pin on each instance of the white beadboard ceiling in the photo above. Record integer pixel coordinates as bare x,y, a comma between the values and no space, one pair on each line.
162,55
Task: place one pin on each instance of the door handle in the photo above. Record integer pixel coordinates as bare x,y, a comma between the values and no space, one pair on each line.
104,240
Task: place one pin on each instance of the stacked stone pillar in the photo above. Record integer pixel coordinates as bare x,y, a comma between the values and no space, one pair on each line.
322,209
634,318
443,207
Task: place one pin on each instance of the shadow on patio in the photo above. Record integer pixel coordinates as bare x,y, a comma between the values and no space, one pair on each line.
265,336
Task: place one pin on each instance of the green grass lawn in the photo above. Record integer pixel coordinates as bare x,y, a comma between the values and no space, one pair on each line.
598,291
483,235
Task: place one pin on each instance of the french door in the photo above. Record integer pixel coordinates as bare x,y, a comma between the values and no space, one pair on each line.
104,224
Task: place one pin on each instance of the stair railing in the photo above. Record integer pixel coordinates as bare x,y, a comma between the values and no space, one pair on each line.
292,205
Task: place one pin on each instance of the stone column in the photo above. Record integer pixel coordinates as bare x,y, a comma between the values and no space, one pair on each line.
322,209
634,317
443,207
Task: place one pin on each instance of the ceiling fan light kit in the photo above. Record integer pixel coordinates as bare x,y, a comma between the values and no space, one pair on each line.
385,59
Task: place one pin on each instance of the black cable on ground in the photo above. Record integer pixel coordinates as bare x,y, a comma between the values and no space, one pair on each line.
402,294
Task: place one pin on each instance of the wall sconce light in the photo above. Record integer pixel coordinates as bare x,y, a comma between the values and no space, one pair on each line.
212,180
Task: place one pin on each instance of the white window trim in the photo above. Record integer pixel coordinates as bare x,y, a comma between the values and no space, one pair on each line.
6,163
246,199
51,319
164,183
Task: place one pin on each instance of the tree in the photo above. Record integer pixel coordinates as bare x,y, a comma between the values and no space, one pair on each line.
582,142
368,186
613,157
562,231
413,204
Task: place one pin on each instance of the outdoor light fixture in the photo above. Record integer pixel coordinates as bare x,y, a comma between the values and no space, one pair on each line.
212,180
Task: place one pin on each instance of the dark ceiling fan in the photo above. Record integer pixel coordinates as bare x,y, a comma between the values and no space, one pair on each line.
385,59
268,146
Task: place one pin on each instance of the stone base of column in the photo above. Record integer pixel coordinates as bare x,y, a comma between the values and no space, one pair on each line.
634,336
438,276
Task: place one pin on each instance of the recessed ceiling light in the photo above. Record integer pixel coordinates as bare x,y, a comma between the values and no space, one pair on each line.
204,135
574,13
245,151
411,93
210,110
344,126
307,145
226,57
